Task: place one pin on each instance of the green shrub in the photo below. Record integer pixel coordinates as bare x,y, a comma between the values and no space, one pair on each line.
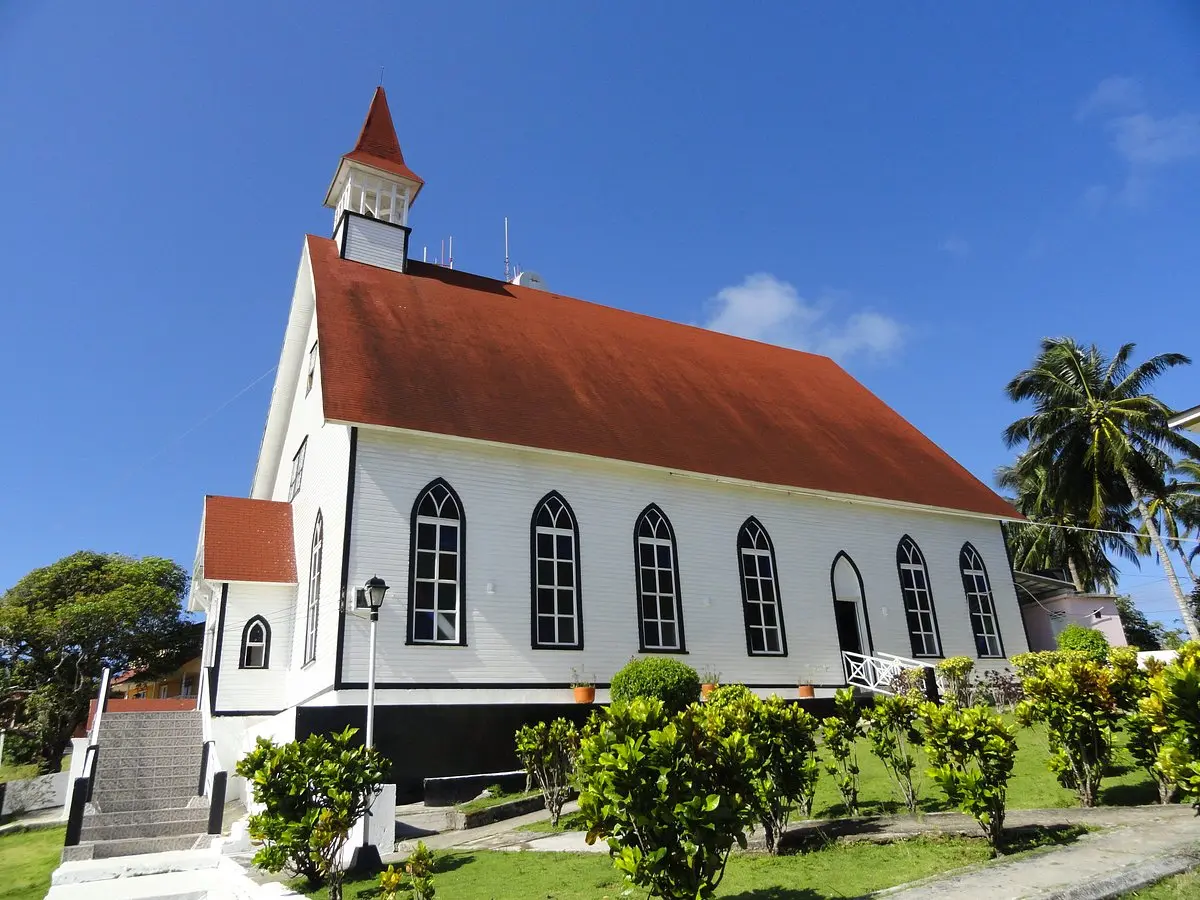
782,768
667,792
416,875
1174,700
892,728
313,792
547,751
972,752
729,694
841,732
955,673
1084,640
676,684
1078,699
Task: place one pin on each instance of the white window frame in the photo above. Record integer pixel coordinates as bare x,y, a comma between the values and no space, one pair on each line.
312,607
439,524
757,556
297,469
260,645
918,599
981,604
663,538
563,530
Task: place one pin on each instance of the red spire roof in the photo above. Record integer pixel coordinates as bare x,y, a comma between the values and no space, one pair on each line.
378,145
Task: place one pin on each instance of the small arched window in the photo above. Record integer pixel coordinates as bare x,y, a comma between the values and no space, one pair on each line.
760,592
918,599
660,614
436,606
256,644
312,607
980,603
557,616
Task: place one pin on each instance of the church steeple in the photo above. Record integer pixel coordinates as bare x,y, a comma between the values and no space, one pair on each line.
371,193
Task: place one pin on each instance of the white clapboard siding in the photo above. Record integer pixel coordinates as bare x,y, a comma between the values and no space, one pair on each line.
499,488
266,689
373,242
323,488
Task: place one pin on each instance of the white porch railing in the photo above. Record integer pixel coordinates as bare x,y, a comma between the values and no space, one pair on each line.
876,673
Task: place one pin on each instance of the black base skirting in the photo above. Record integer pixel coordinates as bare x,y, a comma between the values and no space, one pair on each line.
433,741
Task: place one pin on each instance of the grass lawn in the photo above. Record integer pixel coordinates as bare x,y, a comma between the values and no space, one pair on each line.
1181,887
1032,785
27,859
495,800
840,870
20,773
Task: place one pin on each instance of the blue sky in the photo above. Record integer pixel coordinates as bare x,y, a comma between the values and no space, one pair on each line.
922,191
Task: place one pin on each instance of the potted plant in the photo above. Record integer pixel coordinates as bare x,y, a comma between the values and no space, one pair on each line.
804,685
709,679
584,687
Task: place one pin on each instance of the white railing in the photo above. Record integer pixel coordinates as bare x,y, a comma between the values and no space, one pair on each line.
876,673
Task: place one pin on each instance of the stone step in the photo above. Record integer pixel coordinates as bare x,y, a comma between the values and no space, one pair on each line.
107,782
144,799
143,815
165,714
145,726
118,765
135,846
146,742
192,825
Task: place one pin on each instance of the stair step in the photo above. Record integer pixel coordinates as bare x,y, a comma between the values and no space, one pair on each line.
192,825
115,765
145,816
136,846
172,741
132,780
110,716
144,799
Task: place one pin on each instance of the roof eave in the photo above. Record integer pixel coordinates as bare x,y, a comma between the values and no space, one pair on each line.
1189,419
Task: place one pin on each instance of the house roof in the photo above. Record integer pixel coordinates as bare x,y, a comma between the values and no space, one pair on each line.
377,144
445,352
248,540
1188,418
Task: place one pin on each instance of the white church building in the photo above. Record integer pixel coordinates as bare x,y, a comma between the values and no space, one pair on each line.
550,487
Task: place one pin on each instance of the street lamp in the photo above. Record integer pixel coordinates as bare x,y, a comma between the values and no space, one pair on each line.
375,589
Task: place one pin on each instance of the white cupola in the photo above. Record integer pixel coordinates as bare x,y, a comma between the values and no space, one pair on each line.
372,192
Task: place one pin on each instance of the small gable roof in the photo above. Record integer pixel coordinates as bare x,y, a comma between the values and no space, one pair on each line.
445,352
248,540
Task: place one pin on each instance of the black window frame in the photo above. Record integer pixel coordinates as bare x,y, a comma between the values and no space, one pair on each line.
678,589
535,582
297,469
312,606
990,595
937,634
266,627
312,369
461,579
743,579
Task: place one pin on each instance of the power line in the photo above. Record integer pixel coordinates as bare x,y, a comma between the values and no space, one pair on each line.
1131,534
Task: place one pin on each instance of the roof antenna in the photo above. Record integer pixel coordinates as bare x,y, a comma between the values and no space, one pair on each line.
442,254
452,251
425,253
506,248
381,76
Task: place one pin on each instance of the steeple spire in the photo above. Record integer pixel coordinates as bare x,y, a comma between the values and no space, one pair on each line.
378,145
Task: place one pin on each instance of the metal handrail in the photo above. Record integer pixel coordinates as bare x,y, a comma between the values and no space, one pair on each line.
81,793
213,779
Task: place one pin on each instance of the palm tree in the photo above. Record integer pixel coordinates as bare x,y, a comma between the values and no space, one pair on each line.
1175,511
1104,441
1054,538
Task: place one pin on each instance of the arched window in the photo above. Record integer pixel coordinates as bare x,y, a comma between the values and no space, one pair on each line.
760,592
660,615
256,644
314,592
918,600
436,605
557,616
980,603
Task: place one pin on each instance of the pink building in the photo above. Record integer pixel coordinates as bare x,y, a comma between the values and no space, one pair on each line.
1049,605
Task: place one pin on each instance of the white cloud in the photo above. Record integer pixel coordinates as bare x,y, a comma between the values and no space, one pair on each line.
1145,141
763,308
955,246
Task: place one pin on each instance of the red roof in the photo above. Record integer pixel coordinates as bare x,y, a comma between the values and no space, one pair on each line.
442,351
248,540
377,144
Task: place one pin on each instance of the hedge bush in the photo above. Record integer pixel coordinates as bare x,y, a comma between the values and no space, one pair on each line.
676,684
1085,640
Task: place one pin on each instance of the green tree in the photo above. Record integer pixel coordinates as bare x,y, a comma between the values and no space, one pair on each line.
892,729
61,625
1084,640
842,731
667,792
1104,442
1139,631
547,751
1175,511
312,791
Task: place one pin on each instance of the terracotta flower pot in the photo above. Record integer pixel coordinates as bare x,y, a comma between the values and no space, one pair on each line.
706,689
585,694
805,691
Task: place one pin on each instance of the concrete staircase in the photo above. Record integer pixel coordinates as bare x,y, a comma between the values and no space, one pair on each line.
145,795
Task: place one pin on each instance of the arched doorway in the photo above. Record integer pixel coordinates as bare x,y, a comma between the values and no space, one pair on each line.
849,607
